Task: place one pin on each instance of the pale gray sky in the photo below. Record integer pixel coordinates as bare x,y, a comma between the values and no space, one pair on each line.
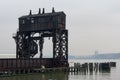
92,24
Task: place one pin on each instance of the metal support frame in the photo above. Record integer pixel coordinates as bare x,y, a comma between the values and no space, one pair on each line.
60,48
27,45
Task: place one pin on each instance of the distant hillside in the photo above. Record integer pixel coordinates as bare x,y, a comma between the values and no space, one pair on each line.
98,56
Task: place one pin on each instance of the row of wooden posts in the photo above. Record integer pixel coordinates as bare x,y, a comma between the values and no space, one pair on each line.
90,67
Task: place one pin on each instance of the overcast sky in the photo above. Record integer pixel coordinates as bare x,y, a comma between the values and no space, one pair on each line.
94,25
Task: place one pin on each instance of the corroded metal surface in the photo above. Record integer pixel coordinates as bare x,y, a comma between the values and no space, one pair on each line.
33,28
22,64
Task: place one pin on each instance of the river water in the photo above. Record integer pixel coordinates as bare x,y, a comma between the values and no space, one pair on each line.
114,74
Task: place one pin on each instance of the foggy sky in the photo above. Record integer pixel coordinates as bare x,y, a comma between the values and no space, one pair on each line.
94,25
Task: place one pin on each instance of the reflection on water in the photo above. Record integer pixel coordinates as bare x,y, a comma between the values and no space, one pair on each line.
61,76
112,75
41,76
90,76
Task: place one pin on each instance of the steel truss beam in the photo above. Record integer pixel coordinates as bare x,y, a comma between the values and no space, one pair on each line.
27,45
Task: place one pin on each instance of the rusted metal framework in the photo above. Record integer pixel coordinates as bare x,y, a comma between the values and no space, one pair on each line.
33,28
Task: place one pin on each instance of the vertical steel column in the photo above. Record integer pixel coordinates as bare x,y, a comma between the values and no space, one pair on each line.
60,48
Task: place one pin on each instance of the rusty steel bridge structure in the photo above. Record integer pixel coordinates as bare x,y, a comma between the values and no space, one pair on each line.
33,28
29,39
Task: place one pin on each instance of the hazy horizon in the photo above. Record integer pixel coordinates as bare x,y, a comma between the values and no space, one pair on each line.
94,25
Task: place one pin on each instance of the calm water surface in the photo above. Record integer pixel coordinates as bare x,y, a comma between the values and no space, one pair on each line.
113,75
